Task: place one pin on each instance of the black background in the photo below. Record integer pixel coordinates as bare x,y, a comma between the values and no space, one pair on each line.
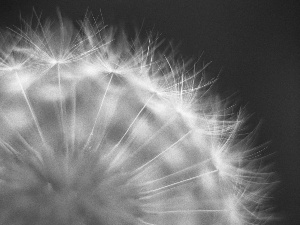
253,42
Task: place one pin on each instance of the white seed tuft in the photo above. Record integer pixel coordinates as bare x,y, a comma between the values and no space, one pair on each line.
96,129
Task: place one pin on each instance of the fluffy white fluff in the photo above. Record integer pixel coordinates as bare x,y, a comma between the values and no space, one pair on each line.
96,129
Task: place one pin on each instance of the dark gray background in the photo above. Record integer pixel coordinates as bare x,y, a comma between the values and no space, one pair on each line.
254,43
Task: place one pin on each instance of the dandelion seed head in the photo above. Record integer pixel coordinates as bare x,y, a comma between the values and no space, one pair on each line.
98,129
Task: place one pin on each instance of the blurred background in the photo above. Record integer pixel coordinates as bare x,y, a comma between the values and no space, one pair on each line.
253,44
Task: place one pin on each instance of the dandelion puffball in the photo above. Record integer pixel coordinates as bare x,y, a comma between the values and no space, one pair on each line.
97,129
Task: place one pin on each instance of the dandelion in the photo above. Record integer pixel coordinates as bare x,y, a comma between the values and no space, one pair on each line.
97,129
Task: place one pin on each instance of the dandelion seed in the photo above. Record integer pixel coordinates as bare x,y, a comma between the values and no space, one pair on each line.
100,130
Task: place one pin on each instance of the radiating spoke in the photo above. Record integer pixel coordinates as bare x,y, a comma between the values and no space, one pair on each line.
32,112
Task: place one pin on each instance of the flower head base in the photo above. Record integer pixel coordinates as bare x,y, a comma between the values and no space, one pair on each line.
97,130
